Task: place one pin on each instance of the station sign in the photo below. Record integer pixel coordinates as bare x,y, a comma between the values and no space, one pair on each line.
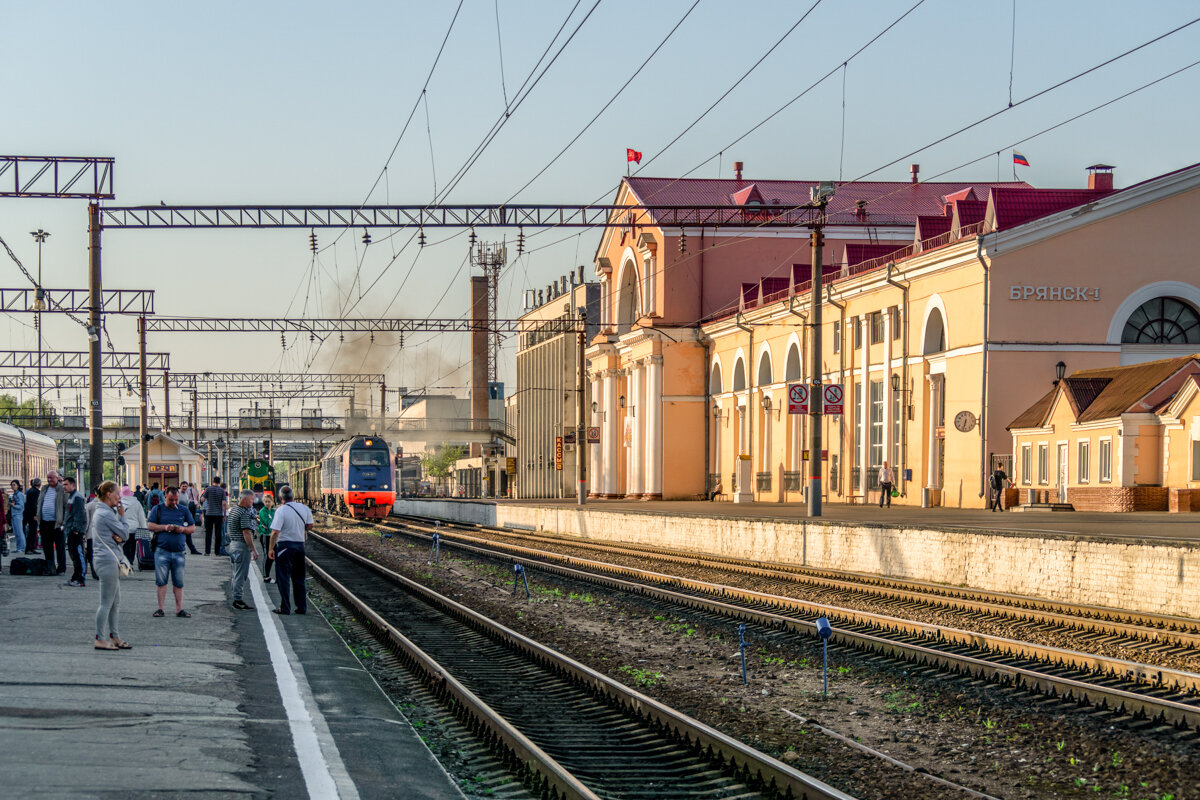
593,435
834,397
558,453
797,398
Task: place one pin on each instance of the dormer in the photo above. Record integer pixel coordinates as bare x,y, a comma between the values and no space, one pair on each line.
750,196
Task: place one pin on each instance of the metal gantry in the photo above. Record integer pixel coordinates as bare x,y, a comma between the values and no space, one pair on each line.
132,302
187,381
27,359
57,176
326,326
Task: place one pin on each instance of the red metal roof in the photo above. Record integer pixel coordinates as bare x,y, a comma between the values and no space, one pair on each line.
970,211
858,253
928,227
888,202
1011,206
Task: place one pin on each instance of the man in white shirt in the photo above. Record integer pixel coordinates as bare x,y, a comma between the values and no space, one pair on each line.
886,481
289,529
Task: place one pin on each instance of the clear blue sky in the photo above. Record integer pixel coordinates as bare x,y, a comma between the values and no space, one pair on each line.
302,102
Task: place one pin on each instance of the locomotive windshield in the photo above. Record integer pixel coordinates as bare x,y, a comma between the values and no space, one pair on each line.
368,458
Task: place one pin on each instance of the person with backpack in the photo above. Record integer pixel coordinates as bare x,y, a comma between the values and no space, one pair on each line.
170,522
999,477
155,497
135,520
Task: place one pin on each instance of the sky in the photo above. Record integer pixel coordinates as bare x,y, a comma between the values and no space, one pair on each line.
306,103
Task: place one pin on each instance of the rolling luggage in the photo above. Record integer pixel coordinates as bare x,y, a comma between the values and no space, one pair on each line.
145,555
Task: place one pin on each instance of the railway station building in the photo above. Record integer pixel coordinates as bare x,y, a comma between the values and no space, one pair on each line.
947,309
170,461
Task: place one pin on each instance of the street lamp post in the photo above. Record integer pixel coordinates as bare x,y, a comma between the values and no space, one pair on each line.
39,303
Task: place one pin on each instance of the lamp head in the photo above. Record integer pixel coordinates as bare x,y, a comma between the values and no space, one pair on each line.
1060,369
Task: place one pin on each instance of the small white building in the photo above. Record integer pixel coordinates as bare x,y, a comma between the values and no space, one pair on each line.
170,461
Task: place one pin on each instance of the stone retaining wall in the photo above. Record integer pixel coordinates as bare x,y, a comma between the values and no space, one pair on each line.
1140,575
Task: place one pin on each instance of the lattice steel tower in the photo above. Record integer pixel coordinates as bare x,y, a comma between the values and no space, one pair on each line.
490,257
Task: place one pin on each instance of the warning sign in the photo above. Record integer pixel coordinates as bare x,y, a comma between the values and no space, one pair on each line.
833,398
593,435
797,398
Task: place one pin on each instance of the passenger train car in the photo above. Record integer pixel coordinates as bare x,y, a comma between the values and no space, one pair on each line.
258,476
357,477
25,455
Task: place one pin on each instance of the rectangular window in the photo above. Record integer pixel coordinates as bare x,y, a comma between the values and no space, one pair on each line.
895,315
1043,464
858,400
1105,461
1196,459
1026,464
1085,461
876,453
837,337
857,335
876,327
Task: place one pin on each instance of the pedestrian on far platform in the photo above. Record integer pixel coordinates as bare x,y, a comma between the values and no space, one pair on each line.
189,498
52,508
886,480
32,540
265,515
5,513
108,534
16,516
243,524
289,529
171,523
75,526
999,478
215,503
155,497
140,494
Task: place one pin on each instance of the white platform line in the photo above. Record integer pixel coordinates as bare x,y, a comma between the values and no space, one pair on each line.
316,751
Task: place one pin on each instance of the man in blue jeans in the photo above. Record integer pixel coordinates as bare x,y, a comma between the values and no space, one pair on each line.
242,525
289,528
172,522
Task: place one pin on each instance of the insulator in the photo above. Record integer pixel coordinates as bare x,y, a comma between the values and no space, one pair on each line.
682,242
366,236
520,241
341,337
312,337
312,240
472,238
282,341
372,337
400,341
421,238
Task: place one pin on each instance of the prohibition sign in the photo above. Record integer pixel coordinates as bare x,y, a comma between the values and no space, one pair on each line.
833,398
797,398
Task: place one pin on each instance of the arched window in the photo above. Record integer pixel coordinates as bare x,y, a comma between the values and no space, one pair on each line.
627,298
739,376
1163,320
935,332
792,367
714,379
764,370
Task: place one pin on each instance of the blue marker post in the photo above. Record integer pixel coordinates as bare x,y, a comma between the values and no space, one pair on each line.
742,645
825,631
435,552
519,572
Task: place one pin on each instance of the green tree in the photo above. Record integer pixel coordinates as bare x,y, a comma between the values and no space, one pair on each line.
440,463
11,409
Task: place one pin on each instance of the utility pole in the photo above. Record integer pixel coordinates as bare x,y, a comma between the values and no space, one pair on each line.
195,419
580,427
96,419
816,399
39,303
143,401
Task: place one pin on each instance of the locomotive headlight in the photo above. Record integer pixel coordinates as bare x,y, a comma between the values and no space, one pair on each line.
354,486
385,486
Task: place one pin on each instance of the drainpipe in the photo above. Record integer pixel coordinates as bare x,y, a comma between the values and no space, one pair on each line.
749,396
983,466
708,460
903,287
841,307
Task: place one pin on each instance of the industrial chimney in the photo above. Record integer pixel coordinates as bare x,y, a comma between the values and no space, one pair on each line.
737,169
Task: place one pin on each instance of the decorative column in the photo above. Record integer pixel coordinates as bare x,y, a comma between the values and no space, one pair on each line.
610,435
888,396
864,417
636,408
931,416
595,473
652,483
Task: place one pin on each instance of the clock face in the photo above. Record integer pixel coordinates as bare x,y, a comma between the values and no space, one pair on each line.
964,421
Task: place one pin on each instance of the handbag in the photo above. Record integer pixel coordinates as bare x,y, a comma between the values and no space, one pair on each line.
124,568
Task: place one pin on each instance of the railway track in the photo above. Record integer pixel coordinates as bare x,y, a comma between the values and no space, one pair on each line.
1157,633
570,731
1145,692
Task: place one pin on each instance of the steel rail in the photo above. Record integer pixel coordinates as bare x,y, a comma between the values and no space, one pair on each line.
532,758
773,774
1158,628
1179,714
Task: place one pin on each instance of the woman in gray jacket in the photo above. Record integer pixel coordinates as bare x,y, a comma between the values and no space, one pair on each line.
108,533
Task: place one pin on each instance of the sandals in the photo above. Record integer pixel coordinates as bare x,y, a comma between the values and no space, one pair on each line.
104,644
158,613
121,643
182,613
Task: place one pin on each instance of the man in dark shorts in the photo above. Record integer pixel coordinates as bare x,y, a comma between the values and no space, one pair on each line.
172,523
215,503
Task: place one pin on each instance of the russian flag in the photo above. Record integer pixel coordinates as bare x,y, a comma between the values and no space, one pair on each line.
1020,159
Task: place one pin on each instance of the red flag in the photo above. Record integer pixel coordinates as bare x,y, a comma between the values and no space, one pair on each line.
633,155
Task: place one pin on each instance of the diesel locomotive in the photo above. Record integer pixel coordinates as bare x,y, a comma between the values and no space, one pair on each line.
356,477
258,476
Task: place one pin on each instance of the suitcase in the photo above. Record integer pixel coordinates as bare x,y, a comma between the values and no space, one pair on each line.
29,566
145,556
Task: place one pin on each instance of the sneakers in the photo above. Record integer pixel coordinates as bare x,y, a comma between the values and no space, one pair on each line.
75,583
238,604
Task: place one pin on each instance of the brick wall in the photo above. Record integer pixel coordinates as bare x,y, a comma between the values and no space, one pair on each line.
1184,500
1147,576
1118,498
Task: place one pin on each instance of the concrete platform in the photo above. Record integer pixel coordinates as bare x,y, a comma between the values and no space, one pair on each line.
225,704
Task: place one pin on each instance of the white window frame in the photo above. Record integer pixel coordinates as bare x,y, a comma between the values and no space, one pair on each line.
1104,470
1083,458
1043,464
1195,448
1026,464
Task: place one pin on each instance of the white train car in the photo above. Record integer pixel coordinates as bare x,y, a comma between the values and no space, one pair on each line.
25,455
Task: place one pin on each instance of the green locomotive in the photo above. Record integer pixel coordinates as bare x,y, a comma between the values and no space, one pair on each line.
258,476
